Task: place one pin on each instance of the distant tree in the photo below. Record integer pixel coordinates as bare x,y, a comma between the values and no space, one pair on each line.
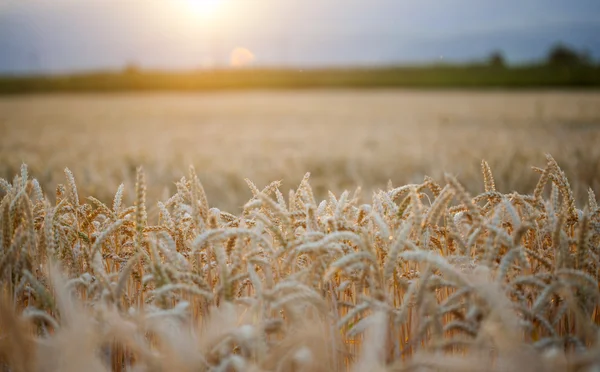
587,57
496,59
562,55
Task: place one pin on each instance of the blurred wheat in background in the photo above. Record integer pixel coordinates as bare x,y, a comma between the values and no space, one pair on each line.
344,138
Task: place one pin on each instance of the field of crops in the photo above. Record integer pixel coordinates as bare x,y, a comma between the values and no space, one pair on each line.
345,139
218,252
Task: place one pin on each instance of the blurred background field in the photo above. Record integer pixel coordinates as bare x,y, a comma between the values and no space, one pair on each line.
345,138
357,93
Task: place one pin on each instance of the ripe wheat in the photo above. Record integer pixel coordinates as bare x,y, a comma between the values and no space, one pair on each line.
424,277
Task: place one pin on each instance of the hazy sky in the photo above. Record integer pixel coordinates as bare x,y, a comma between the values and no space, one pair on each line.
68,35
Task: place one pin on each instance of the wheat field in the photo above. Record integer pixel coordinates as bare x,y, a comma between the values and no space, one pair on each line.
486,265
344,138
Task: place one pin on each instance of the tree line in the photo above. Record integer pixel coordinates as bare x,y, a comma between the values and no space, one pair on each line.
558,55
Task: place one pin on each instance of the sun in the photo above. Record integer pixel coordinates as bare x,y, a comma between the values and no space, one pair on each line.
204,8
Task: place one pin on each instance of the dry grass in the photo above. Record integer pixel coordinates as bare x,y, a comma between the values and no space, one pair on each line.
424,277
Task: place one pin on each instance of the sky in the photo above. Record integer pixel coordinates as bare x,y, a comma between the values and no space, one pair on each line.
55,36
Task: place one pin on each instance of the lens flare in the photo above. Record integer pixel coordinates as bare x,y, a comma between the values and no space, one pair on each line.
241,57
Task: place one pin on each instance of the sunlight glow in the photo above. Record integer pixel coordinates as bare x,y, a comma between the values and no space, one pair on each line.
204,8
241,57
